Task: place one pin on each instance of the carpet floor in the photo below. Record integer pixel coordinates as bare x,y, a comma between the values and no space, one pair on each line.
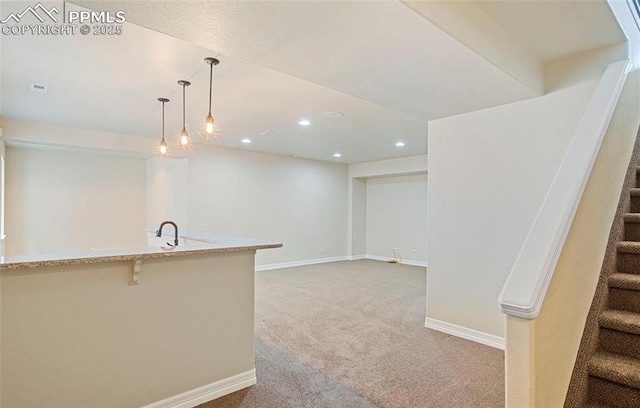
351,335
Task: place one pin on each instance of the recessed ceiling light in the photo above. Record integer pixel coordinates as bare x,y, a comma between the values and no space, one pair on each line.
246,141
337,155
266,132
334,114
304,122
400,144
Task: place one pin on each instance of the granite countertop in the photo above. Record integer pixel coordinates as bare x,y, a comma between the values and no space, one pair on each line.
191,243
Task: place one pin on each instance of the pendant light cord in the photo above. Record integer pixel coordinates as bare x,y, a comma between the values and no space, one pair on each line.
210,85
183,103
163,121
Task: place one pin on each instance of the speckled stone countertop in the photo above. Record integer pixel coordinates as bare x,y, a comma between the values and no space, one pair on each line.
189,244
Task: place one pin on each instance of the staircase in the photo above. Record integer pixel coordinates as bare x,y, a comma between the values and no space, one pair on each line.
614,370
607,370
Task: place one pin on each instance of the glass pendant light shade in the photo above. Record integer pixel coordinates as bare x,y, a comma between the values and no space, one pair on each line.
163,149
184,142
209,130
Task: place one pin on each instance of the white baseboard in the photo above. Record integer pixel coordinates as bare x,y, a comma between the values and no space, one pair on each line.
404,261
414,263
376,258
465,333
208,392
305,262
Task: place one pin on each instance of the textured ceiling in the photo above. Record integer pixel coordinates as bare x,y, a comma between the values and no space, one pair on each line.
112,83
380,51
387,68
555,29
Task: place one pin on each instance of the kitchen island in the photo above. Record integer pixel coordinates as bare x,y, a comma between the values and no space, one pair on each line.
152,327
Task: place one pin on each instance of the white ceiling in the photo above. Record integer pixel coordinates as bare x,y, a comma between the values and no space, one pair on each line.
386,67
380,51
553,29
112,84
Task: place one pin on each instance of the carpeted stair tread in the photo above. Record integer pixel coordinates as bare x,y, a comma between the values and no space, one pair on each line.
625,281
596,405
635,192
628,247
632,218
620,320
616,368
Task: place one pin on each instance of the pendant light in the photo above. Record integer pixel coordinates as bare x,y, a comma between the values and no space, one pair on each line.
184,142
163,149
209,129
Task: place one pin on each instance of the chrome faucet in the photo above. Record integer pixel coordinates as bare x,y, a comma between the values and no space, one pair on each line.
175,227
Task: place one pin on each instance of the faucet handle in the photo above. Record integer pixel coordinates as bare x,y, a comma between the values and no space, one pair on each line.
158,234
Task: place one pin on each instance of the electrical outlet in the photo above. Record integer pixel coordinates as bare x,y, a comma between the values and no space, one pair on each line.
322,249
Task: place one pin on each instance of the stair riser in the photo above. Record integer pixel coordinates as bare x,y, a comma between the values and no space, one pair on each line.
613,394
628,263
635,204
619,342
622,299
632,231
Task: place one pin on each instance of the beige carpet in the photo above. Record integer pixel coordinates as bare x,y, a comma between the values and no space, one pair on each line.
351,334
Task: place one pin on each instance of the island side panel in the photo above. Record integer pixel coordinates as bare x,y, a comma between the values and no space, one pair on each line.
80,336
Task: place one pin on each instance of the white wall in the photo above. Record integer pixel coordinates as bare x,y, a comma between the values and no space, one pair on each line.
301,203
168,192
580,67
488,174
397,216
390,167
357,233
59,201
2,194
47,134
357,198
305,204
